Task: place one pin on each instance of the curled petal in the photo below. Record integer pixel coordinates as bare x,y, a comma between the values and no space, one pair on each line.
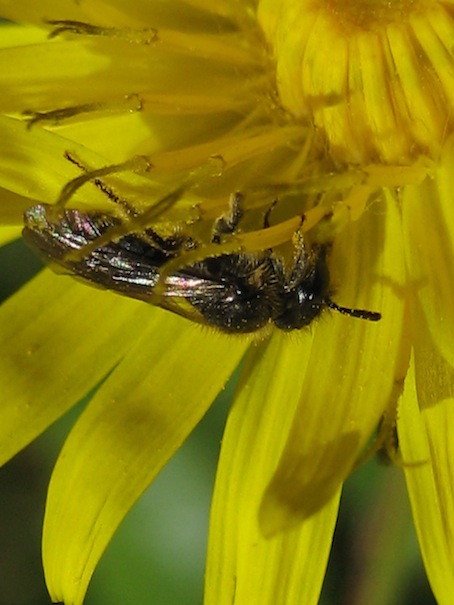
135,423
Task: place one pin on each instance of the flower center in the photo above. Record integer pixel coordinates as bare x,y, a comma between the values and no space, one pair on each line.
373,76
370,14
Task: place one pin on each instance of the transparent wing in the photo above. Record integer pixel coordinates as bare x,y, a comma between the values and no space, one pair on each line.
71,242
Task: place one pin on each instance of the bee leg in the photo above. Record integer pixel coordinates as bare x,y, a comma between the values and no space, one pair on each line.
228,222
170,245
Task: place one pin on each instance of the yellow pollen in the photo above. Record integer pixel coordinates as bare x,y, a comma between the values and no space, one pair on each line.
371,14
375,77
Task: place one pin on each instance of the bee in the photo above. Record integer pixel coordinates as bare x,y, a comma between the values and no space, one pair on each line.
236,293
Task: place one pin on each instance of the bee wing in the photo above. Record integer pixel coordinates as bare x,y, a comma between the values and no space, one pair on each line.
130,266
127,272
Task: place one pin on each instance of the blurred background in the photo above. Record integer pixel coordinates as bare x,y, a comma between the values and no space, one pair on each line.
158,555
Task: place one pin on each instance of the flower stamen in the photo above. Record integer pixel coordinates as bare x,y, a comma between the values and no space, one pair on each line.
135,164
128,104
145,36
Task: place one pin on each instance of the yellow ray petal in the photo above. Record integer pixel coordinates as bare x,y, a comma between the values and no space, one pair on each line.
12,208
16,35
33,164
136,421
26,12
40,65
244,567
113,136
54,349
349,378
425,437
428,220
34,168
100,73
8,234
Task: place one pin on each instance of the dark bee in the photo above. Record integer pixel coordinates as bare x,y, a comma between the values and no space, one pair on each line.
235,293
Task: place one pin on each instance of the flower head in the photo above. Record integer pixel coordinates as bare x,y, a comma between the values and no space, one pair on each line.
332,122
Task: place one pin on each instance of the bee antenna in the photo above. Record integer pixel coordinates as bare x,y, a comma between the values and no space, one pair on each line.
359,313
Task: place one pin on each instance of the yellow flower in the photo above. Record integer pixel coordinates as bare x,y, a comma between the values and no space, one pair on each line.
339,110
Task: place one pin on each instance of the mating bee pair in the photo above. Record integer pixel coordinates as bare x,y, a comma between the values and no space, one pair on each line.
234,292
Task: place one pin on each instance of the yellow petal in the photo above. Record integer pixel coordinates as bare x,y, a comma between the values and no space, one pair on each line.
26,12
376,78
12,208
425,437
134,424
29,84
18,35
244,567
8,234
34,168
428,220
33,165
349,378
54,349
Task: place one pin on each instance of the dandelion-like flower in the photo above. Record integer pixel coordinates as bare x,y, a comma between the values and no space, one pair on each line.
332,121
